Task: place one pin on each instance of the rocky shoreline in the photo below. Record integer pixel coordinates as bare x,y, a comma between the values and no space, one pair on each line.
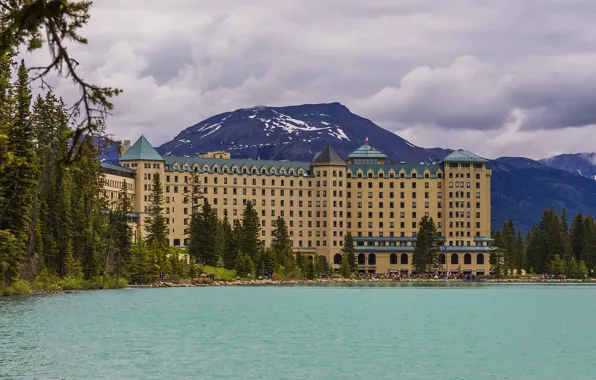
166,284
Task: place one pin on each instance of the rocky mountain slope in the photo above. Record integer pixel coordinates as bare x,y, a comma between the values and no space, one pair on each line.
294,132
582,164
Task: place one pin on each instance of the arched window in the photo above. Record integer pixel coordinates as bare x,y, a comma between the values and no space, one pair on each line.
393,259
310,257
454,259
337,259
372,259
404,258
442,259
467,259
361,259
480,259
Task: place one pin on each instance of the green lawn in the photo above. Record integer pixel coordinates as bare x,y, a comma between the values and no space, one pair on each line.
221,273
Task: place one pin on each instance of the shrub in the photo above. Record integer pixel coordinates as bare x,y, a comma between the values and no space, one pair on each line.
21,287
46,280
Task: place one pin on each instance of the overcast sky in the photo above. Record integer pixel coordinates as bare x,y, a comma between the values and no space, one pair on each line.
500,77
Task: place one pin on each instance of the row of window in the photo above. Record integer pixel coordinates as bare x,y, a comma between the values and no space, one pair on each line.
402,225
117,184
404,259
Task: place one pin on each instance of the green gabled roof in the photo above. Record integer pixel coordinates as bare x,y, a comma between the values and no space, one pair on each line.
230,162
328,156
117,167
366,151
463,156
386,168
141,150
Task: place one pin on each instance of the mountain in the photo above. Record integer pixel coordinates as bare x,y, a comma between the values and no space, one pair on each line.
521,188
583,164
294,132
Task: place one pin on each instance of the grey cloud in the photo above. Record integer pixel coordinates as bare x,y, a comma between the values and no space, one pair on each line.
421,67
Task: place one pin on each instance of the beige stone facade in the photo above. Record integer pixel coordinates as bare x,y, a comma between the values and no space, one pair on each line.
380,203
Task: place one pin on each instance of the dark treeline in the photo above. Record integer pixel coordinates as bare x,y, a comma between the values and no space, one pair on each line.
550,247
57,229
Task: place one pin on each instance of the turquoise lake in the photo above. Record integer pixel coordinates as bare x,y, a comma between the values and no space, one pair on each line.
387,331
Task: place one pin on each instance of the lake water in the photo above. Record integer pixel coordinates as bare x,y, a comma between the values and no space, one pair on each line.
304,332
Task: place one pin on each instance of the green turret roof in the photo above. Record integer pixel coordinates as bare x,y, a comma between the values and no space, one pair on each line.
141,150
463,156
366,151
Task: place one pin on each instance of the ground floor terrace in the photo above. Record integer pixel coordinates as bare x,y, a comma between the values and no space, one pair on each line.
467,262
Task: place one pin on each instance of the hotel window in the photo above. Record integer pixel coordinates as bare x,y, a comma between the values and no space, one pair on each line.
477,195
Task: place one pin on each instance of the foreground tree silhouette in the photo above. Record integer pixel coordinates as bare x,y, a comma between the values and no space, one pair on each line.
35,23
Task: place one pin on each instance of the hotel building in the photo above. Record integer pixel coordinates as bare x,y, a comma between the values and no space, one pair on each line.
379,202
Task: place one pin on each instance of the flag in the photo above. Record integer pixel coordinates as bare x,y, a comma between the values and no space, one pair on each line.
365,139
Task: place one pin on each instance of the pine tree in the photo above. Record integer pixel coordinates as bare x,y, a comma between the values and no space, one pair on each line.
426,251
269,262
588,250
155,223
251,244
309,271
565,243
282,245
229,255
120,233
235,245
533,249
348,249
321,265
510,258
18,179
577,236
194,192
520,253
203,235
497,256
556,266
344,268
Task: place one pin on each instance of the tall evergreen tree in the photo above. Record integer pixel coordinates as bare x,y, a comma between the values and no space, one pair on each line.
533,249
155,223
18,179
203,244
520,253
349,251
576,236
226,233
344,268
426,251
251,243
282,245
497,256
510,259
588,250
119,255
235,245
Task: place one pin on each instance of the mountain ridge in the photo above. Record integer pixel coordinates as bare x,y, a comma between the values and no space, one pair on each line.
582,164
521,187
